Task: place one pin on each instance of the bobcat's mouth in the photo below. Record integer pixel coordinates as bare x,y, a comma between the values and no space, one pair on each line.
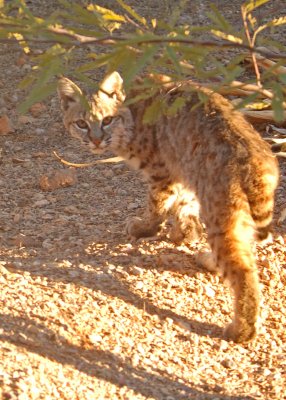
97,147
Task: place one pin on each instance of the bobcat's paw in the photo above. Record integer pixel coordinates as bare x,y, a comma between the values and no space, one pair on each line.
186,233
205,260
137,228
240,332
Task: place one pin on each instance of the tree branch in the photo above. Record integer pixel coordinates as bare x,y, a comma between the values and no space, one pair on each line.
80,40
251,44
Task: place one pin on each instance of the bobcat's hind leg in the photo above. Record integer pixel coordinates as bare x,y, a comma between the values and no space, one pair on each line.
187,226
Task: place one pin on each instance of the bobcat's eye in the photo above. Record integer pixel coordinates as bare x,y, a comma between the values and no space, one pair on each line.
82,124
106,121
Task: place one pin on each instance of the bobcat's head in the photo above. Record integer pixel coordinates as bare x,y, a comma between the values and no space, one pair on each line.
101,121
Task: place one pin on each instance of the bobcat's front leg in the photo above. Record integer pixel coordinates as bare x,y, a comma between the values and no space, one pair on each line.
161,197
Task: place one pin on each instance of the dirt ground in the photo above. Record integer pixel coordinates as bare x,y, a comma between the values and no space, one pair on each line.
85,313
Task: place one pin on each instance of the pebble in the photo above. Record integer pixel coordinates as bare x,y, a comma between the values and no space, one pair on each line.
5,125
27,67
95,338
228,363
41,203
37,109
107,173
47,244
40,131
24,119
137,271
209,291
132,206
139,285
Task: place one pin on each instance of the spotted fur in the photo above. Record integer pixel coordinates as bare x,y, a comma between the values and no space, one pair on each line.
205,160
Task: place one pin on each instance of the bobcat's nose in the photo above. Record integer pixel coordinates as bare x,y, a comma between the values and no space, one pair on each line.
95,135
95,141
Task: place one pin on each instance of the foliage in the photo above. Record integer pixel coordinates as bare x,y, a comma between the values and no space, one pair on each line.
98,37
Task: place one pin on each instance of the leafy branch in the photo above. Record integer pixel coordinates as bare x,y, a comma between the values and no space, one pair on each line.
150,46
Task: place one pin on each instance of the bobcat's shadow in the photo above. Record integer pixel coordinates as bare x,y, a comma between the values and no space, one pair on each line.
114,286
104,365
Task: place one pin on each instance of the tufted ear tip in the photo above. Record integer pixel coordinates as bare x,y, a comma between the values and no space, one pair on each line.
112,85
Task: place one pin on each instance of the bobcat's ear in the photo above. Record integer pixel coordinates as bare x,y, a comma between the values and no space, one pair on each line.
68,92
112,85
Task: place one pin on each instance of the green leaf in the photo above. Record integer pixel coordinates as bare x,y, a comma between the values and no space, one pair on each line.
99,61
51,64
144,95
177,12
226,36
133,13
121,56
274,22
175,106
80,15
246,101
282,78
250,5
137,64
277,102
218,19
153,112
106,13
174,58
27,81
37,95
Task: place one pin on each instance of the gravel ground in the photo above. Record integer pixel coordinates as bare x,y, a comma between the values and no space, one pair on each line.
85,314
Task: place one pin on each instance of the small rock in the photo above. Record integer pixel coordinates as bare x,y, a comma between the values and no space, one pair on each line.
38,196
57,179
37,52
27,67
139,285
47,244
17,218
209,291
39,154
95,338
14,98
5,125
228,363
137,271
21,61
41,203
24,119
132,206
40,131
71,210
107,173
37,109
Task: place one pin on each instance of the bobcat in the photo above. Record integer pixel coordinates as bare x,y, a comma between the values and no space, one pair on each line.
205,160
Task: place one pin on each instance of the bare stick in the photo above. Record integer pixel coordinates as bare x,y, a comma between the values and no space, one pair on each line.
251,44
84,165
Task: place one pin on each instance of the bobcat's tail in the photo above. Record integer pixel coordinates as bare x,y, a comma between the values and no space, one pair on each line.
262,203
